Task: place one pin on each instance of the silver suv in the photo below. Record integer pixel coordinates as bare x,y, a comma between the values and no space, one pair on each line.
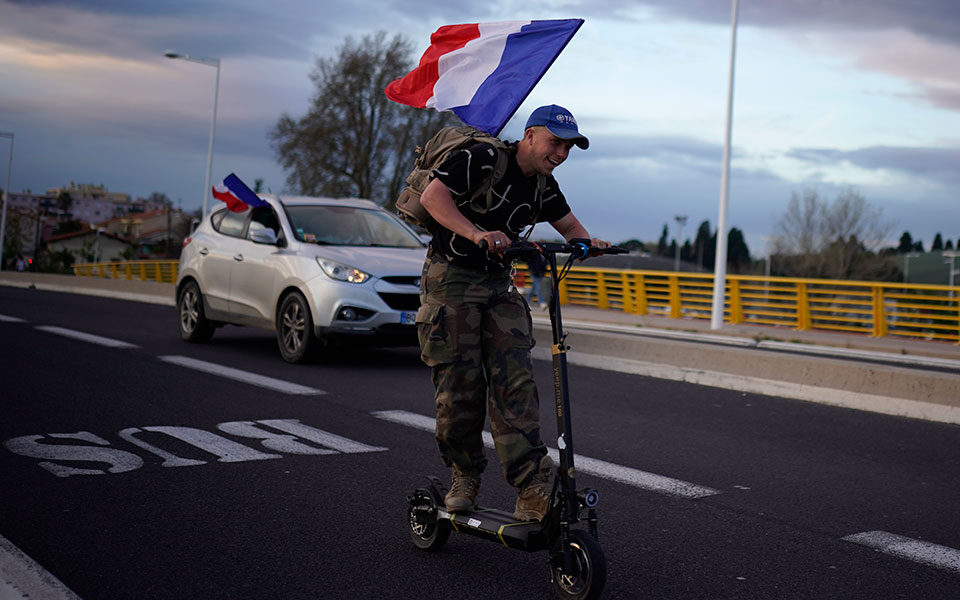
312,269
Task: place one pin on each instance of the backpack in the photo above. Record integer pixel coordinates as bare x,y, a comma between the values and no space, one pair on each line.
440,147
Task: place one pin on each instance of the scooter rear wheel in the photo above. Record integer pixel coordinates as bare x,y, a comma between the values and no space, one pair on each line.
588,575
425,532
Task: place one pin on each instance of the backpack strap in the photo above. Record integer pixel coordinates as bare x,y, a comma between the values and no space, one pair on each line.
541,188
486,188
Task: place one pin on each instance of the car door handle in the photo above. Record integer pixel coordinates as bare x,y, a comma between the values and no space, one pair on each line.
204,251
238,257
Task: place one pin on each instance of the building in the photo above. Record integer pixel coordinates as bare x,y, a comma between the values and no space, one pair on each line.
154,233
91,245
95,203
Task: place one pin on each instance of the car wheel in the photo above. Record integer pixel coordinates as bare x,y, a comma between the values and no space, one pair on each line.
194,325
295,334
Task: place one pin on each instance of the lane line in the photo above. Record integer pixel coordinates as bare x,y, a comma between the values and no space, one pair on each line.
9,319
86,337
934,555
584,464
243,376
21,577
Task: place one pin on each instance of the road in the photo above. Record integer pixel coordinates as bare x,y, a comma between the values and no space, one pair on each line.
129,473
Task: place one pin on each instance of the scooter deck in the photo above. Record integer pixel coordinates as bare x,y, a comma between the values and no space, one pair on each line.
497,525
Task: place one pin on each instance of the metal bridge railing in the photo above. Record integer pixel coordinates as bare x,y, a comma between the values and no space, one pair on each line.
870,308
145,270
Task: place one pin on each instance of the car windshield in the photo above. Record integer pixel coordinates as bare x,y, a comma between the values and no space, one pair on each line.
349,226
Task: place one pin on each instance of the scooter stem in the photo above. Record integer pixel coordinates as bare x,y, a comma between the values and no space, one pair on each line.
568,483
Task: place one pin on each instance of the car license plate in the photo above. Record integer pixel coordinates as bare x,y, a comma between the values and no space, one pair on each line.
408,318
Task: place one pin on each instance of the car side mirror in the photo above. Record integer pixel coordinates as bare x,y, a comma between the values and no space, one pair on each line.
264,236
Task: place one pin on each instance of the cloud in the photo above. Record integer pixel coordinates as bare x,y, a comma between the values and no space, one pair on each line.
938,164
938,19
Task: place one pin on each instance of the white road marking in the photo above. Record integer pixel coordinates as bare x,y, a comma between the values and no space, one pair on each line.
9,319
86,337
244,376
934,555
21,577
628,475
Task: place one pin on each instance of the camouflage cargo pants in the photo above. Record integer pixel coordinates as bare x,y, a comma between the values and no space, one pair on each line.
476,336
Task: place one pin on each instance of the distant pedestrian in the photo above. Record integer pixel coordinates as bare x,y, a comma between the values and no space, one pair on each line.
21,263
537,265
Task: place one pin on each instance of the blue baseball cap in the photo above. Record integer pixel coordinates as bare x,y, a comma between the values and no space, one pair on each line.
559,122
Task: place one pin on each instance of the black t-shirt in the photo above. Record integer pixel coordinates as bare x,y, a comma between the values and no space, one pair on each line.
514,208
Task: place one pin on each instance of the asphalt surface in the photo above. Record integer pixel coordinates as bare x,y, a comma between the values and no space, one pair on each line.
792,479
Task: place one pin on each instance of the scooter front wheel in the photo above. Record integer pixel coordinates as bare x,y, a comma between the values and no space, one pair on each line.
588,573
425,531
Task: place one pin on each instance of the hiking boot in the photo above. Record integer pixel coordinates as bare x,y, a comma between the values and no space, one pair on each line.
463,491
533,499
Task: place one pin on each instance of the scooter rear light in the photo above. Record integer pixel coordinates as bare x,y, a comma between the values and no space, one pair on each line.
186,241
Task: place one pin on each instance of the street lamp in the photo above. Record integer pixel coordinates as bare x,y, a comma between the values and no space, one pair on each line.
681,221
6,196
210,62
720,264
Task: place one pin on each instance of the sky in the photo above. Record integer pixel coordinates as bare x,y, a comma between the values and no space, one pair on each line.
829,96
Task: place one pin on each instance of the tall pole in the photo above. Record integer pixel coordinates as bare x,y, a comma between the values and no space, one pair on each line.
720,264
210,62
6,196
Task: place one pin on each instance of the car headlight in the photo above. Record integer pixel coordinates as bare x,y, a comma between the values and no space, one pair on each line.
342,272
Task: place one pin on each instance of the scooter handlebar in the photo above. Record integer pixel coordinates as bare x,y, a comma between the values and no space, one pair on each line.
580,248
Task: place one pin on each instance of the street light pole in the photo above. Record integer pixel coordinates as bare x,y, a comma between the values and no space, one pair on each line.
681,221
720,264
6,195
210,62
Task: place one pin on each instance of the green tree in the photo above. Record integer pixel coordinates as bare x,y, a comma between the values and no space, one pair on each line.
662,242
937,243
702,246
906,243
354,141
633,244
738,255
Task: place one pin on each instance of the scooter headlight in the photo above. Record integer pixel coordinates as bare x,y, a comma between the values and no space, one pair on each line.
342,272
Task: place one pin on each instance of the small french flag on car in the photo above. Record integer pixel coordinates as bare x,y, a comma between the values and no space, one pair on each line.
235,194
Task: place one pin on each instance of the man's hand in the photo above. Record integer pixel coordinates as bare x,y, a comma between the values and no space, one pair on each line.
497,241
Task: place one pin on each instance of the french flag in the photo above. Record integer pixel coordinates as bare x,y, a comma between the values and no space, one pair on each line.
483,71
235,194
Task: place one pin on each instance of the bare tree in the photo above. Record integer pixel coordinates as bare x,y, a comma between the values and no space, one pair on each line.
838,239
354,141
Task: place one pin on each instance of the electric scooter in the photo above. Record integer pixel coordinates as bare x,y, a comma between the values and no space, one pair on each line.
578,568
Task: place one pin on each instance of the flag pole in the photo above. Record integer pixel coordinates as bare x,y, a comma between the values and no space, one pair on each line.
720,263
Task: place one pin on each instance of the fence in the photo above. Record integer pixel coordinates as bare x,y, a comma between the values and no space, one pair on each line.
145,270
878,309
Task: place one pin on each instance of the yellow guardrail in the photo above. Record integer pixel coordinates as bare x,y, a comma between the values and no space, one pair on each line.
871,308
145,270
877,309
